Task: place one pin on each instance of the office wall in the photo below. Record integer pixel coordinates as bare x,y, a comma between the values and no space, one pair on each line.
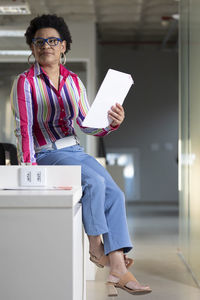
7,75
151,123
189,129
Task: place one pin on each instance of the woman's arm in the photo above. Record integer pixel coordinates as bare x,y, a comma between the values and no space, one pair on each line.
116,113
21,103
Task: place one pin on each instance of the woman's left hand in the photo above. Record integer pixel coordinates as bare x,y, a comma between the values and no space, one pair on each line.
116,113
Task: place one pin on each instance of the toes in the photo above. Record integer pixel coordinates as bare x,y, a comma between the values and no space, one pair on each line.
137,286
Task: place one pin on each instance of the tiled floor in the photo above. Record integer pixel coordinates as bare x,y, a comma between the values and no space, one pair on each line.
154,231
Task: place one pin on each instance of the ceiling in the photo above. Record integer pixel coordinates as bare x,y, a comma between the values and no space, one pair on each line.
124,21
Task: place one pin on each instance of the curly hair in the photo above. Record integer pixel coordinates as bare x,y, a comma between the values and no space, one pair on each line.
49,21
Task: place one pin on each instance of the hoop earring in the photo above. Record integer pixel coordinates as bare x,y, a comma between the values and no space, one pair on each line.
29,58
63,58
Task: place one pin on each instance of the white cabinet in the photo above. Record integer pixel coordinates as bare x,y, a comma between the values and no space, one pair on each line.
41,245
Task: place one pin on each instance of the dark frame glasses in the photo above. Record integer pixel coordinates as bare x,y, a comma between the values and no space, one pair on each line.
51,41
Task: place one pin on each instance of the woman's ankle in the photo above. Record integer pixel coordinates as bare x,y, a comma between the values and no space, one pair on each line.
96,246
117,264
95,240
118,269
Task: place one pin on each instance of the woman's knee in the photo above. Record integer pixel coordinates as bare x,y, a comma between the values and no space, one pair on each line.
115,200
119,194
94,181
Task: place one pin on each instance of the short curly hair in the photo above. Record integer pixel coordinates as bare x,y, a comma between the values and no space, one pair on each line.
49,21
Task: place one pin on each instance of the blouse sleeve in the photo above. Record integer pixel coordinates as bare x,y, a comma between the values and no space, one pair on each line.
84,106
21,104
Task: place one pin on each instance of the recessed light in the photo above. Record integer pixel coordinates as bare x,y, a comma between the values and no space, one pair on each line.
11,33
15,52
176,16
14,8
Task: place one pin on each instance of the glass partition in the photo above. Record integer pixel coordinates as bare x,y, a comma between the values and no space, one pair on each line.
184,128
189,132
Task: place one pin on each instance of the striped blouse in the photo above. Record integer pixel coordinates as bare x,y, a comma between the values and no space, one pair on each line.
44,114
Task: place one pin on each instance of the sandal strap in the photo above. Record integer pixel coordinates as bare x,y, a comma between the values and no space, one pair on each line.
124,279
103,260
92,255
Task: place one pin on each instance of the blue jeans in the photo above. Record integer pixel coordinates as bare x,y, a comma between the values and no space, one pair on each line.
103,203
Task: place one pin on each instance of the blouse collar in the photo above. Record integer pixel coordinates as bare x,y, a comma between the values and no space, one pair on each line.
37,70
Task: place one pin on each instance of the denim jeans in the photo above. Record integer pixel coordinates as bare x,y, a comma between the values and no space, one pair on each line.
103,203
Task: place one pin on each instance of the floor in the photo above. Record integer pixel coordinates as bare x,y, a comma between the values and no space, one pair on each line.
154,232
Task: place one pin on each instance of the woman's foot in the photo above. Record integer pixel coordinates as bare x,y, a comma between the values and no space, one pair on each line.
96,250
118,269
133,285
97,255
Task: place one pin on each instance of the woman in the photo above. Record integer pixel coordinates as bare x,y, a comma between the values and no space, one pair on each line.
46,100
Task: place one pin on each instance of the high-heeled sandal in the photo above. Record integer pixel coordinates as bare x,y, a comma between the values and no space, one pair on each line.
104,260
123,280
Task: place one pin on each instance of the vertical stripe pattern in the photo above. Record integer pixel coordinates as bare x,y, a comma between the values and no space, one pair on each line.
43,114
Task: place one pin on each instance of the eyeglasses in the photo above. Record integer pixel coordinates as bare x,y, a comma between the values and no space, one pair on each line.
51,41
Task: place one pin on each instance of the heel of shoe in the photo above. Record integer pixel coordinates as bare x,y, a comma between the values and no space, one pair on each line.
111,290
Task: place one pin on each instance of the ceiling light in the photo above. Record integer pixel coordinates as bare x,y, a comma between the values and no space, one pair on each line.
14,8
11,33
15,52
176,16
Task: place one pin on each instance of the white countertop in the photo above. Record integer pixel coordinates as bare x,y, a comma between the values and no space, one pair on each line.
40,198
